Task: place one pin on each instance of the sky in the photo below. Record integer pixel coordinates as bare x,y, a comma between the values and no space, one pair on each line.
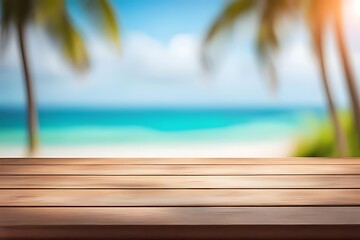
158,65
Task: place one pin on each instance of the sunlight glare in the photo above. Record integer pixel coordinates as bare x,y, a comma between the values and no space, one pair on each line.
356,8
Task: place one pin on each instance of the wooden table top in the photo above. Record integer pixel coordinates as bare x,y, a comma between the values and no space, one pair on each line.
107,198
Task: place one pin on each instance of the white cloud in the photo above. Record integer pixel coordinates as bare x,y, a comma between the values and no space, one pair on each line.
147,59
149,72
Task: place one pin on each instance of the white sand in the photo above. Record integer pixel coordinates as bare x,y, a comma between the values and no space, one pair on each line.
259,149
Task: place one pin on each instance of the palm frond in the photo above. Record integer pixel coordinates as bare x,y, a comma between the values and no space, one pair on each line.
54,17
105,17
49,10
266,43
13,12
73,45
70,41
5,22
228,17
226,20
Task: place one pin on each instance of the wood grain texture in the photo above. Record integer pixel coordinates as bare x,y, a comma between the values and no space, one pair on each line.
177,197
173,170
181,182
230,161
184,232
103,198
27,216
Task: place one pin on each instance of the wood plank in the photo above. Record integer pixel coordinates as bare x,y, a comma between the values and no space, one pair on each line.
231,161
173,197
180,182
184,232
166,170
24,216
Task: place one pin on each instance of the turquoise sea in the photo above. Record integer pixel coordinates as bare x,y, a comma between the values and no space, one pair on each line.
80,126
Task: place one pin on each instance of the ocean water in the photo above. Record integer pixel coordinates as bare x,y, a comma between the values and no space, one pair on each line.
78,126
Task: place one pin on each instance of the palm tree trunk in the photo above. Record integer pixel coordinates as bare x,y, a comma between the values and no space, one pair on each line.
340,138
32,118
350,78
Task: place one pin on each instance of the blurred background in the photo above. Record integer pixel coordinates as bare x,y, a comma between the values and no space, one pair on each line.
180,78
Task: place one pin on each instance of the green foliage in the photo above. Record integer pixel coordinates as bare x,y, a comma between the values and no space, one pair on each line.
101,11
228,17
318,15
321,142
54,17
269,14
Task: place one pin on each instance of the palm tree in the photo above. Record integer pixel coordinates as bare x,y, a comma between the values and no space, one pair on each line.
54,17
337,15
317,17
270,12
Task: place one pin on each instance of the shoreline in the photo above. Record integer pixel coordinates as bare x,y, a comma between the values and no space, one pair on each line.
266,149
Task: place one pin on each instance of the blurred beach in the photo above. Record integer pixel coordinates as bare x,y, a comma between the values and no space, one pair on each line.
138,79
270,132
